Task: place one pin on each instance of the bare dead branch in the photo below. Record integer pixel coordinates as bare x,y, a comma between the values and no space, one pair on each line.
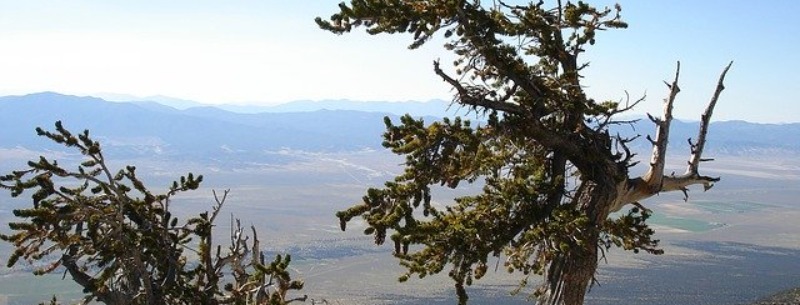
655,173
705,119
641,188
624,151
692,175
219,202
608,120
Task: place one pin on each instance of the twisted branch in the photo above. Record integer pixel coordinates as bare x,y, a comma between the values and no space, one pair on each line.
654,181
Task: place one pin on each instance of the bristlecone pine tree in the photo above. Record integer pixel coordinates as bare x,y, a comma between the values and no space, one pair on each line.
550,170
121,244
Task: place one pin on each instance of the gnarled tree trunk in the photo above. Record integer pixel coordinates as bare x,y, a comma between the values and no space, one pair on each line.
580,269
600,197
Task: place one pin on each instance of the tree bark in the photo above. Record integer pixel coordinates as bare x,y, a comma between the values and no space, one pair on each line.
579,273
580,265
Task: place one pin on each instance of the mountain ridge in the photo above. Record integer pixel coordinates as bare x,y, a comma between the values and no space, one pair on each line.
434,107
146,127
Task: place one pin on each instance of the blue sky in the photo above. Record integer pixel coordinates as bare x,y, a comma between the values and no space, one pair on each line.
269,51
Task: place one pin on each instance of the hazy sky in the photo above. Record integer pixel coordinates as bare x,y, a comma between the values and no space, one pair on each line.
268,52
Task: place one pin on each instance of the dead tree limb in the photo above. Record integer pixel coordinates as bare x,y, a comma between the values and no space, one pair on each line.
654,181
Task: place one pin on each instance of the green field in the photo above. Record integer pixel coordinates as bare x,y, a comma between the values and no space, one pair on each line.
719,207
687,224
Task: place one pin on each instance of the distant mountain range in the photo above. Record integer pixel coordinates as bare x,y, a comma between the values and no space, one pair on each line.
202,132
436,108
147,128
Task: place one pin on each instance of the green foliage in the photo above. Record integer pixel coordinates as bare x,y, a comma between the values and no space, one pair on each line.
631,232
548,167
119,241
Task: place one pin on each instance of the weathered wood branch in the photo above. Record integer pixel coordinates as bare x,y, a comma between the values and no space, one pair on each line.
655,172
654,181
697,148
